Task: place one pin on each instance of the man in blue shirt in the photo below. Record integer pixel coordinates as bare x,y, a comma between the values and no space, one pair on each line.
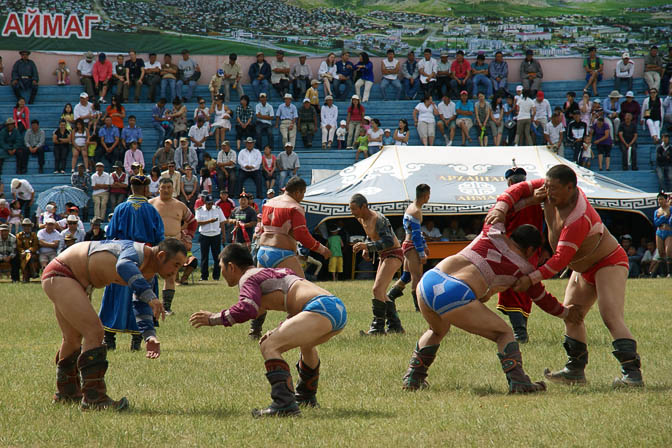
480,72
109,143
285,119
158,120
131,133
499,72
409,77
260,74
344,69
465,112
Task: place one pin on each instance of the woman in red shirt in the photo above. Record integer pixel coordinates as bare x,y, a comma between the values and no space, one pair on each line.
21,115
117,112
354,120
102,73
269,162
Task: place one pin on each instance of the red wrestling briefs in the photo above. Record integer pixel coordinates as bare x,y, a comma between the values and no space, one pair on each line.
395,252
408,245
617,258
56,268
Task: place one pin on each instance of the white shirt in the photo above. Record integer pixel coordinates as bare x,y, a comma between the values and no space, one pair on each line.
24,191
390,65
103,179
85,67
329,115
325,69
252,158
264,110
83,111
79,237
434,233
447,111
63,223
223,157
341,133
543,109
199,134
212,229
149,65
47,237
425,113
525,106
625,71
553,131
428,67
375,134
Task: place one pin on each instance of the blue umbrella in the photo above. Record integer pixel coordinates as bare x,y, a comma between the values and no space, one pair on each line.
60,196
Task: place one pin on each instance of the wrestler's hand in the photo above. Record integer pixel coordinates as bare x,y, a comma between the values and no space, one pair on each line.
522,284
540,195
574,315
153,348
423,260
494,216
325,252
157,309
200,319
359,247
365,255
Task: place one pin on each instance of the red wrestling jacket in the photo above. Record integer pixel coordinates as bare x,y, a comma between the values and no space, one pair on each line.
283,215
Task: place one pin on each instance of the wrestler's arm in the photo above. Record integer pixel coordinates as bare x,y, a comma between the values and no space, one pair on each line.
385,235
247,308
522,192
546,301
659,220
417,237
302,235
571,238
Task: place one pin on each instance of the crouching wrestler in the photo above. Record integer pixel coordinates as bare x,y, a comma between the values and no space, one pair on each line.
314,317
69,280
452,294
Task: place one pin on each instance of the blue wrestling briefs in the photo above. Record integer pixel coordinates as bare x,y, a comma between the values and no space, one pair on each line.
271,257
330,307
663,234
443,293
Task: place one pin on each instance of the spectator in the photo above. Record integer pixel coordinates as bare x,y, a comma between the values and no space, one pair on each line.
174,175
649,261
667,105
226,167
300,77
390,68
117,112
249,161
8,254
10,142
374,137
480,71
68,116
232,76
460,70
49,241
164,155
154,180
189,73
447,117
453,232
260,74
327,73
119,186
135,76
410,75
313,95
79,138
653,68
362,144
210,220
132,156
214,86
570,106
269,164
341,134
2,74
577,134
96,233
443,75
14,218
531,73
160,119
602,140
627,137
222,121
388,139
465,111
119,79
61,141
73,231
25,76
27,247
664,163
499,72
542,114
244,218
131,132
667,73
625,71
428,70
354,119
100,191
496,119
280,73
630,106
612,110
244,126
189,187
430,232
594,70
198,135
344,74
21,115
34,140
423,118
85,73
652,114
329,121
586,108
364,76
168,74
554,134
109,141
307,123
526,114
288,165
152,76
81,179
285,119
185,155
482,112
102,75
634,260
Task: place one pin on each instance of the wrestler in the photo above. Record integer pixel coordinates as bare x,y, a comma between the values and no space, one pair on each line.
283,224
598,262
68,281
135,220
661,220
414,247
452,294
179,223
381,239
518,305
313,317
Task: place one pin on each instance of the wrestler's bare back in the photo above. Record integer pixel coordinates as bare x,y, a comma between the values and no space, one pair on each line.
369,226
298,295
462,269
172,213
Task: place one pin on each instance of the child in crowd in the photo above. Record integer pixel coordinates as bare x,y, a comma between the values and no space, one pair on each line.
387,138
2,73
341,132
366,123
4,211
587,153
205,182
335,245
508,109
362,144
269,164
62,73
210,164
15,217
215,84
314,95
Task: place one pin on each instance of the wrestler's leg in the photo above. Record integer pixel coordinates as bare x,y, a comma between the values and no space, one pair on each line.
293,264
68,381
415,268
660,246
393,321
169,293
668,254
397,289
308,367
384,275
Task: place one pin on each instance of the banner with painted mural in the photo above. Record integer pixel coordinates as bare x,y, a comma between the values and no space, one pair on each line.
553,27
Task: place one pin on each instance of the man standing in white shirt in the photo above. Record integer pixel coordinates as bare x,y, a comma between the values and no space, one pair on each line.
85,73
264,124
526,112
249,161
288,164
83,110
447,117
554,134
428,69
285,120
542,115
100,185
211,222
198,134
625,70
329,121
390,68
226,167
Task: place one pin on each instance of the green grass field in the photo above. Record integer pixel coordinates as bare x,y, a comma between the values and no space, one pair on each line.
200,391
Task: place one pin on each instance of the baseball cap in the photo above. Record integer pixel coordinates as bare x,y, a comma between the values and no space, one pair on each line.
306,100
444,53
220,72
168,140
354,97
519,88
629,94
343,122
207,198
626,55
540,95
27,222
367,118
328,97
226,143
83,95
100,164
72,218
627,236
262,94
88,55
287,95
184,139
464,92
270,190
61,61
289,144
314,81
74,208
50,221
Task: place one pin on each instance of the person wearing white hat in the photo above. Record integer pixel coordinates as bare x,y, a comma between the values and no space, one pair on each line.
72,229
625,70
285,119
612,110
24,193
85,73
49,240
329,121
341,134
8,259
84,109
307,123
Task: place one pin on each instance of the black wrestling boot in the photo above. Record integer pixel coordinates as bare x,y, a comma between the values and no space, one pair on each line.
168,296
256,326
415,301
573,372
415,377
519,325
394,293
668,263
378,323
68,382
110,340
512,365
282,391
136,342
393,321
306,389
93,365
625,350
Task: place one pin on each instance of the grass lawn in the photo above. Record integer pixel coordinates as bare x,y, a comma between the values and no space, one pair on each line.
200,391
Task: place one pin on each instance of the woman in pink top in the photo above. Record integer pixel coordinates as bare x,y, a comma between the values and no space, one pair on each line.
102,73
269,162
354,120
21,115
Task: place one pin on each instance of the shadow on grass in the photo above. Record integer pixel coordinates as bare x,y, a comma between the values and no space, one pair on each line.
345,413
202,412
